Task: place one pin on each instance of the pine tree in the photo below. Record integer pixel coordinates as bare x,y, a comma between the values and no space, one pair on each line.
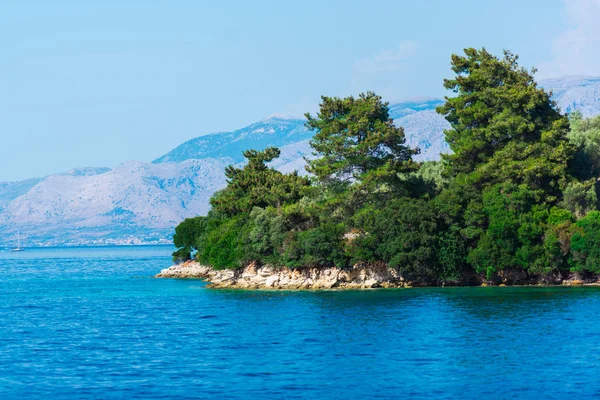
354,137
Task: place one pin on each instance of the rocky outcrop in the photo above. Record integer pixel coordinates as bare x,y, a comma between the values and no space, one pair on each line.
361,276
510,277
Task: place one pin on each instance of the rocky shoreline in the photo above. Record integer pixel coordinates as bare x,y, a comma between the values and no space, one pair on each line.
266,277
361,276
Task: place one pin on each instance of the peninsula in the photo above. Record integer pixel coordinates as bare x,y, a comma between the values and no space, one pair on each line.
514,203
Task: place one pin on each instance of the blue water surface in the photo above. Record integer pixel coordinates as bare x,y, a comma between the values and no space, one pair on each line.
93,323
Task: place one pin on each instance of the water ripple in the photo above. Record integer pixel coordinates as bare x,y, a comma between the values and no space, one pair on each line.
78,323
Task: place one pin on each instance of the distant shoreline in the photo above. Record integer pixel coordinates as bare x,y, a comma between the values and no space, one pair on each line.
170,245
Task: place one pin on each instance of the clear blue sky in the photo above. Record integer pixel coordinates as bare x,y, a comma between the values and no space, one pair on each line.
99,82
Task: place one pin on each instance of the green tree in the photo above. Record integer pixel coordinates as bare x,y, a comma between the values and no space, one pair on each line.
404,235
503,126
355,136
585,136
580,197
323,246
186,237
585,243
510,149
557,239
221,244
258,185
513,235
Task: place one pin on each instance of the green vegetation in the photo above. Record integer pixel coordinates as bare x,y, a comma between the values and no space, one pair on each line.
518,192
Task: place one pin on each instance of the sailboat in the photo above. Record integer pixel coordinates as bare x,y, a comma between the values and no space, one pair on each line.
19,246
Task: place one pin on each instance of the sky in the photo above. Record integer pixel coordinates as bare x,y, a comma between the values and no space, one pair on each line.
99,82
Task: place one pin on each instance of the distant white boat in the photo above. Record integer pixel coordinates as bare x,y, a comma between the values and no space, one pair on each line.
19,246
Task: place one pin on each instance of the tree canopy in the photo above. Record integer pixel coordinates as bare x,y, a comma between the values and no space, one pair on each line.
354,137
518,192
258,185
504,127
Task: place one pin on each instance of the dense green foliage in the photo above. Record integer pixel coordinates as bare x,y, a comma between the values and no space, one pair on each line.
257,185
355,137
518,192
585,135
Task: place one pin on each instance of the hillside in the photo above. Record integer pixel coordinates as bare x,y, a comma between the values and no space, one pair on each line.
134,202
581,93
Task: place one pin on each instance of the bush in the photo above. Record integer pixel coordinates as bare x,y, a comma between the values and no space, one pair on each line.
323,246
585,243
220,247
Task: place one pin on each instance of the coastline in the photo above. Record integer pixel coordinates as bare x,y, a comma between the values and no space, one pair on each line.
360,276
266,277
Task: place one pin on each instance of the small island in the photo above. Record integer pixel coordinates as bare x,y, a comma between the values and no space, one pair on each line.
515,203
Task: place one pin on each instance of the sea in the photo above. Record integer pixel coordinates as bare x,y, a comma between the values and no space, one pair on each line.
93,323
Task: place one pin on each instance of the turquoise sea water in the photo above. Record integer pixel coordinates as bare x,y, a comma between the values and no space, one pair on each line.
92,323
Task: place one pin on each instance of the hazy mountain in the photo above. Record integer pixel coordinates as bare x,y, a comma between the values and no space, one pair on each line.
576,92
11,190
414,106
423,126
142,202
273,131
135,200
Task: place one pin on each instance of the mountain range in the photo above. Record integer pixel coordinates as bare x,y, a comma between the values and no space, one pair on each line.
140,202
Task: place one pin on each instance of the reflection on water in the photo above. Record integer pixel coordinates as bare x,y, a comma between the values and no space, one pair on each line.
92,323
